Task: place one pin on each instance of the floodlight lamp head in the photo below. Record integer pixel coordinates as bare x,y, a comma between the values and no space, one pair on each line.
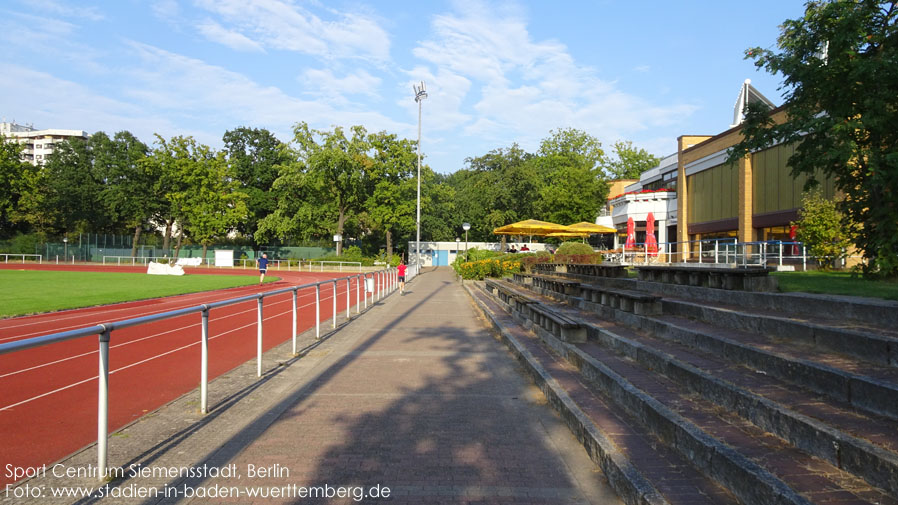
420,91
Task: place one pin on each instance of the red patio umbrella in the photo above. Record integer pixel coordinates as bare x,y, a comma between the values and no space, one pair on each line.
651,244
793,232
631,234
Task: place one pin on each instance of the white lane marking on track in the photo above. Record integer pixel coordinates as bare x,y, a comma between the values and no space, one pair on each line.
104,317
63,388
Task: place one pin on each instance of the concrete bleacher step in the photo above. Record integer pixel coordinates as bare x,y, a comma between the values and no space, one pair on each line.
783,435
754,466
863,444
865,384
637,466
861,339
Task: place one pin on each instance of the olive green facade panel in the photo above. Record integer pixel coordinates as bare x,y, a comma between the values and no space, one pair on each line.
774,187
713,194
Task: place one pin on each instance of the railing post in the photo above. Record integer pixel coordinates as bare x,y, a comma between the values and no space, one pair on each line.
365,282
317,310
699,251
294,296
348,289
781,252
716,260
334,320
204,363
103,403
804,258
358,294
259,338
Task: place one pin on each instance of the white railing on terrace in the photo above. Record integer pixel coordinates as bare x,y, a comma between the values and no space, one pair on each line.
726,251
379,283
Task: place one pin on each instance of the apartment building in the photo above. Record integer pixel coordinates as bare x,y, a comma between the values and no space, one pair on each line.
39,144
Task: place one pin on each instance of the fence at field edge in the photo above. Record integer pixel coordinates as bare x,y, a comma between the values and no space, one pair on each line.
33,257
383,283
274,264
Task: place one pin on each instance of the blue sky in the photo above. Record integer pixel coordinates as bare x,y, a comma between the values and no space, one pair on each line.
496,72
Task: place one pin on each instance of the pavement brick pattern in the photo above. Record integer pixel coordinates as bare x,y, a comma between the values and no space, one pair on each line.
420,398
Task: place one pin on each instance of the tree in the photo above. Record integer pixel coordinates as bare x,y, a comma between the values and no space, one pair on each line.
254,156
573,188
127,189
336,169
629,162
16,177
391,197
840,69
823,229
74,187
198,190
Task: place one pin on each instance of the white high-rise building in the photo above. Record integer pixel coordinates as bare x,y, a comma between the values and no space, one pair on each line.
38,143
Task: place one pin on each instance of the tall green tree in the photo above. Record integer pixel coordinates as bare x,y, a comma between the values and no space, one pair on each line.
254,155
629,162
496,189
75,183
391,196
839,63
198,189
336,172
17,180
574,188
127,192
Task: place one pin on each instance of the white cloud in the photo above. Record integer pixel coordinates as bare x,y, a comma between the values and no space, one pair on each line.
324,83
59,9
185,88
521,88
282,24
235,40
166,10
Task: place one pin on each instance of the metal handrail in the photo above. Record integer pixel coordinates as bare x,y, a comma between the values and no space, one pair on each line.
386,282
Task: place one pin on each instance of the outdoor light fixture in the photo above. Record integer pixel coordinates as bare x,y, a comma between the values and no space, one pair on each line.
466,227
420,95
65,253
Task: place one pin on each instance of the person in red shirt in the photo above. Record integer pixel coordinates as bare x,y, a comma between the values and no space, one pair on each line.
401,270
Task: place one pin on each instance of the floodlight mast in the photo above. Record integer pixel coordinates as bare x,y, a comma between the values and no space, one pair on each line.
420,95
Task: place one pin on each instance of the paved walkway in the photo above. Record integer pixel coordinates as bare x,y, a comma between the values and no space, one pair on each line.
415,395
421,399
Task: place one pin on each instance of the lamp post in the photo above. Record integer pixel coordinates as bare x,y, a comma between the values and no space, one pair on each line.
466,227
458,246
65,248
420,95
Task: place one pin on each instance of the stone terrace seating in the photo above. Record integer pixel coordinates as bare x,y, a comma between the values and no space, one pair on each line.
743,279
637,302
626,300
769,405
559,325
612,270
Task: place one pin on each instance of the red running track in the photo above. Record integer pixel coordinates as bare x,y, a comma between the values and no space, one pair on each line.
48,405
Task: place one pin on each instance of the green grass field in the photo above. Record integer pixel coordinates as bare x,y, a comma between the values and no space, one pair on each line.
836,283
29,291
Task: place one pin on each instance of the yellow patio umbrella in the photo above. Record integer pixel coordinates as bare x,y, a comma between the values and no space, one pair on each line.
589,228
530,227
567,234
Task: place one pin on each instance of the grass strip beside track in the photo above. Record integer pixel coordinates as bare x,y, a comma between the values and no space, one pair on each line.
29,291
836,283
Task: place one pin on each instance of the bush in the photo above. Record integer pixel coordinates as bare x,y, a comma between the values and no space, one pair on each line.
593,258
574,248
530,259
494,267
